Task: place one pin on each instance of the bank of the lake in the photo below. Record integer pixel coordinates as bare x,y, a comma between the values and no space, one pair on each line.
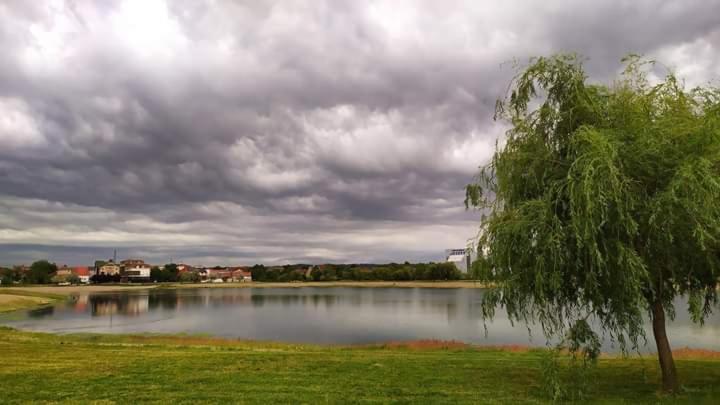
13,299
366,284
313,315
130,369
26,297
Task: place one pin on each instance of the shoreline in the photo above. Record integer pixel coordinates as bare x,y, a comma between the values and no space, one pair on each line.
182,340
17,298
358,284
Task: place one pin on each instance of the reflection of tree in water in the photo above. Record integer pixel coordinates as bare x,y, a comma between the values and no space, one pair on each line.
41,312
164,300
287,300
175,299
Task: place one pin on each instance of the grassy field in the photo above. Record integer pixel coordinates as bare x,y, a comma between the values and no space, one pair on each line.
185,369
12,299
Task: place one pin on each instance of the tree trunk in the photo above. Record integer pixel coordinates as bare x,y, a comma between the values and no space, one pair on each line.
667,364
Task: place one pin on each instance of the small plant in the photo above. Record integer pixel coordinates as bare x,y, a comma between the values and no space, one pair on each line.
571,381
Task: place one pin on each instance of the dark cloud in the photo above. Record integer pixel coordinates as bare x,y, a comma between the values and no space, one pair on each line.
280,131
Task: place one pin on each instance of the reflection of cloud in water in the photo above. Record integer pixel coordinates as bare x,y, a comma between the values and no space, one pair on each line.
322,315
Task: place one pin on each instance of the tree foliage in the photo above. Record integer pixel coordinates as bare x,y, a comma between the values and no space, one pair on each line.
10,276
41,272
168,273
189,277
357,272
602,203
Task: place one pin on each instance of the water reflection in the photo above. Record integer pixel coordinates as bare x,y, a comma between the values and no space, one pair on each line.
41,312
319,315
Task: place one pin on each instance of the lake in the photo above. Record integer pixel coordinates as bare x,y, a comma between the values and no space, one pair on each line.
325,315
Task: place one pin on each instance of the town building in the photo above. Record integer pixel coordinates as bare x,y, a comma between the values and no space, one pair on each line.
130,263
64,271
82,273
223,273
184,268
461,258
241,274
138,273
110,268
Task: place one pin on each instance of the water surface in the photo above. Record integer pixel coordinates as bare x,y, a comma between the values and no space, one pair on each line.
326,315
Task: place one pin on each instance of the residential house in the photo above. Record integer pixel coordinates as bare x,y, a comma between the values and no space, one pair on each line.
241,274
221,273
64,271
203,273
109,269
138,273
83,273
184,268
130,263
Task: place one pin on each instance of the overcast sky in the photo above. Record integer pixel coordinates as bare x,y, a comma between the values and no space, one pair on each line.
214,132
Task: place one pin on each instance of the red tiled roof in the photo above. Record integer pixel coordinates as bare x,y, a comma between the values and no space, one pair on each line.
81,271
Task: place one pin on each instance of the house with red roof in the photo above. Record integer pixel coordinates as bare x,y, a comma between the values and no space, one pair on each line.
83,273
242,274
184,268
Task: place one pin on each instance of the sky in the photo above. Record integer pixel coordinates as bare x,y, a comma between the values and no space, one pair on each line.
242,132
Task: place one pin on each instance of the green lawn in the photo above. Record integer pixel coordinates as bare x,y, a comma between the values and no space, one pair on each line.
12,299
106,368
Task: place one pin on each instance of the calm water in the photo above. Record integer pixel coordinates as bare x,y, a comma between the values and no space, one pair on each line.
313,315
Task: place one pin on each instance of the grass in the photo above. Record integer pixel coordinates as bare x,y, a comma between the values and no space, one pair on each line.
190,369
14,299
33,296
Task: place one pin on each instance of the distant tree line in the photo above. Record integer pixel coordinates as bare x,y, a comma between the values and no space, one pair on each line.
358,272
168,273
44,272
40,272
9,276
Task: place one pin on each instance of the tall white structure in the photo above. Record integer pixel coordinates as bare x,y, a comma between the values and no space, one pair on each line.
460,257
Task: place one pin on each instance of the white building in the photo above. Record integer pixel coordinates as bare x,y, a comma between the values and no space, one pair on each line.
460,257
138,272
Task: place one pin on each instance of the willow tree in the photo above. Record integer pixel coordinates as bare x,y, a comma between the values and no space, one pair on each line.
602,205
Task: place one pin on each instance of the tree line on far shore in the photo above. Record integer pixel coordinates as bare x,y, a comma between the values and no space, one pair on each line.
40,272
358,272
43,272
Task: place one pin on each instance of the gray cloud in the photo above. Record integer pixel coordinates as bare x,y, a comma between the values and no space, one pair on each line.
280,131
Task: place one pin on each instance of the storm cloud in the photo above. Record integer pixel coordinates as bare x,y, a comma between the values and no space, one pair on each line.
291,131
